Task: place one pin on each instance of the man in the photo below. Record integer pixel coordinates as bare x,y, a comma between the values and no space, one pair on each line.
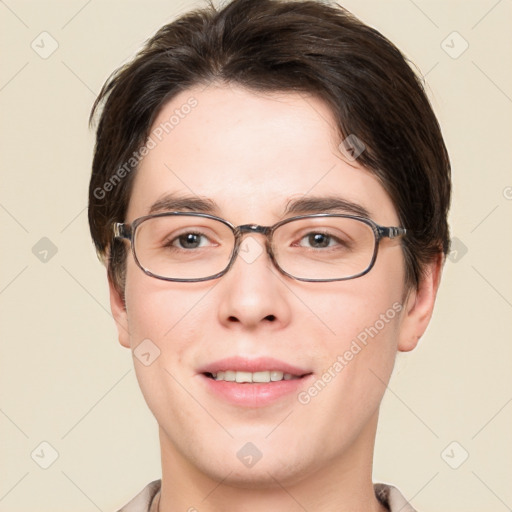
269,193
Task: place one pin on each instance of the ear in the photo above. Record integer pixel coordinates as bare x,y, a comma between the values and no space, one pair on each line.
419,306
118,308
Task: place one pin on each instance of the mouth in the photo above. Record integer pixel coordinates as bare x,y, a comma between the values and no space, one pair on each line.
253,382
243,377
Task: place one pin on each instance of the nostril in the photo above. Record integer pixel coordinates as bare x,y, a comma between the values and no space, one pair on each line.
270,318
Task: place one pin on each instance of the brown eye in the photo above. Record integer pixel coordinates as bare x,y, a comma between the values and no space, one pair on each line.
189,240
319,240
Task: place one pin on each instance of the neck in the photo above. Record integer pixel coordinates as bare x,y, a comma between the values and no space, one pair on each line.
342,483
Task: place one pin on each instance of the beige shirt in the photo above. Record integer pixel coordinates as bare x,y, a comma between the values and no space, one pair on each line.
147,500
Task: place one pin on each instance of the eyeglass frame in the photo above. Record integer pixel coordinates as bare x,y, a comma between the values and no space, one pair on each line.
127,231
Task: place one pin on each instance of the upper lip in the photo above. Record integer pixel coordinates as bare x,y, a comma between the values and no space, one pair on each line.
252,365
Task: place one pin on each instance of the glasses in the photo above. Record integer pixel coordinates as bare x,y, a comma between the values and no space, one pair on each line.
190,247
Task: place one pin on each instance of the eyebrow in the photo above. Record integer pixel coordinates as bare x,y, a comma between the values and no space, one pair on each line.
301,206
174,202
325,204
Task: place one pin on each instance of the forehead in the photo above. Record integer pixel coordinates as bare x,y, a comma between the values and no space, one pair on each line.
250,154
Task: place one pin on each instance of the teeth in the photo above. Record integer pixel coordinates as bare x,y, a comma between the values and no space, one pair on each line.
276,376
230,376
243,377
265,376
261,377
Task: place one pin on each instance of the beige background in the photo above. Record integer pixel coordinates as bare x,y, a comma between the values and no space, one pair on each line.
66,381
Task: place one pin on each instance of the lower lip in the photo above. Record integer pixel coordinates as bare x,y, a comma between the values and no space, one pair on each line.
254,394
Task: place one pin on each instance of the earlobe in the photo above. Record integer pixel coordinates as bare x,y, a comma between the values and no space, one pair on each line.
118,308
419,306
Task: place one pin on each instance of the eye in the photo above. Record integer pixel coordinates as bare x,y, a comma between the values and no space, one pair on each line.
320,240
189,240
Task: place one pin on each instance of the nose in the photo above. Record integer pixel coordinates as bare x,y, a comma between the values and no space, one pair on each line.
253,293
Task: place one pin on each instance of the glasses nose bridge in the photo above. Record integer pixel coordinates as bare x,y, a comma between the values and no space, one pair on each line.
240,231
253,228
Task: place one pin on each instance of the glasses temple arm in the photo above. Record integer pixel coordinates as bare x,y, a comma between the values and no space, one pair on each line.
391,232
122,230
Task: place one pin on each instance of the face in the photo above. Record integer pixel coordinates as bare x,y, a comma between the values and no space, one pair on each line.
252,154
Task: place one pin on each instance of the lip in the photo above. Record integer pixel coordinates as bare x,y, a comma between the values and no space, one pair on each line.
253,394
259,364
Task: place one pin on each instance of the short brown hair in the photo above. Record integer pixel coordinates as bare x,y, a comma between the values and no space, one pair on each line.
295,46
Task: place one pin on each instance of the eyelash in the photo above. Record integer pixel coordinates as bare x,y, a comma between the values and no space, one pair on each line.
170,242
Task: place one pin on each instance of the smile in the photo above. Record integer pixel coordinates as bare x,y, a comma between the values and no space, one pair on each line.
252,377
248,382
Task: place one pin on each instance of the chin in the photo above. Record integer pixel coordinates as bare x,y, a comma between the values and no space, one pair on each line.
256,465
272,474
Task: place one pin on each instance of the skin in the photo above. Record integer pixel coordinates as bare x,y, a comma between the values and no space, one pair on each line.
251,153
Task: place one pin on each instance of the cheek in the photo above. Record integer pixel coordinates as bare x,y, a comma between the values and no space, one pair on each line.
158,310
358,354
363,309
168,320
177,319
365,341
